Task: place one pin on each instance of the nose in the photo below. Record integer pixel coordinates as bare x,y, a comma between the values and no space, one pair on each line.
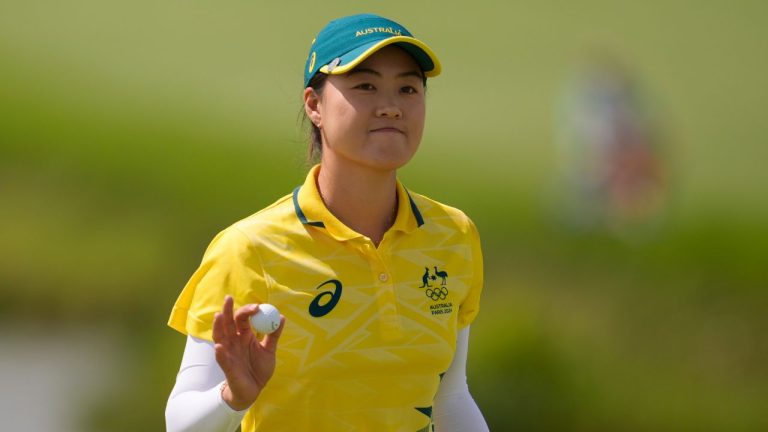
389,110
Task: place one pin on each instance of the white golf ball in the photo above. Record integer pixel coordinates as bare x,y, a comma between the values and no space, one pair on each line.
266,320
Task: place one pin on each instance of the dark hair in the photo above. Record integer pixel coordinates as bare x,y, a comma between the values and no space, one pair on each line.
315,136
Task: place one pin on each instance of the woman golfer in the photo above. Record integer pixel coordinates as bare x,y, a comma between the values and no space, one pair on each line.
377,285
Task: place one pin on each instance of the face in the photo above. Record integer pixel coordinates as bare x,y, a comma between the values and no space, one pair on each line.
373,116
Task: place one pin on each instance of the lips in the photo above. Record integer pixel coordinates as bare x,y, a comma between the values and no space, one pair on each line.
387,129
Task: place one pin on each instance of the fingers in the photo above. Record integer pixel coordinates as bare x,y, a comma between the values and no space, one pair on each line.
270,340
228,317
242,317
218,327
228,324
223,324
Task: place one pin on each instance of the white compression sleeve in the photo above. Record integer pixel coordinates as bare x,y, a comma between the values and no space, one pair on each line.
195,404
455,410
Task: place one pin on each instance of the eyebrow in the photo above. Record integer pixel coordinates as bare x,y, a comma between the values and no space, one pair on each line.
377,73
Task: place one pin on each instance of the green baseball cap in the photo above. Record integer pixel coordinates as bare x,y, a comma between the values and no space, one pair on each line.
346,42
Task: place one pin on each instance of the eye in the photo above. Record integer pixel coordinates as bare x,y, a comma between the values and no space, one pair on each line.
365,86
409,90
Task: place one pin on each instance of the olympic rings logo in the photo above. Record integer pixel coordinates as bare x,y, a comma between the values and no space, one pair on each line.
437,293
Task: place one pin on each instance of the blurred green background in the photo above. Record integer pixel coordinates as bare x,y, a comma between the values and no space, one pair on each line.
132,132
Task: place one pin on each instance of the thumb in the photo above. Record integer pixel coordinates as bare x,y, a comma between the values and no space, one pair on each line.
270,340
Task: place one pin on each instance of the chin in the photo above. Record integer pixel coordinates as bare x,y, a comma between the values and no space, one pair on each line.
387,157
391,156
390,160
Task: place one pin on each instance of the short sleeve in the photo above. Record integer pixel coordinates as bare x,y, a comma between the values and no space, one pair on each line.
230,265
471,305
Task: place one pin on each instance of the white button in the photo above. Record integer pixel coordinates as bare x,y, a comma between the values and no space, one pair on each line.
383,277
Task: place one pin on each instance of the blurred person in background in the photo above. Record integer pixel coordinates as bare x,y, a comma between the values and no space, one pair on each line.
612,167
377,285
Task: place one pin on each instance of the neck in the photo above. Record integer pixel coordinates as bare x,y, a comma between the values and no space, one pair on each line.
363,199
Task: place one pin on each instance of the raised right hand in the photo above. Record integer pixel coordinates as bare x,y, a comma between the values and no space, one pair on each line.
248,363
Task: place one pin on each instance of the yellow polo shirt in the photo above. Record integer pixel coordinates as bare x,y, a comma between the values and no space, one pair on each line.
369,331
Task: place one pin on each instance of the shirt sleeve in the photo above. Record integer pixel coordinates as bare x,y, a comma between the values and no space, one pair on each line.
231,265
471,305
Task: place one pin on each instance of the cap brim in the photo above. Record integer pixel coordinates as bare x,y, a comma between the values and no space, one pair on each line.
423,55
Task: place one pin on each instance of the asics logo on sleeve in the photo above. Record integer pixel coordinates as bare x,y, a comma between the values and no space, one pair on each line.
329,299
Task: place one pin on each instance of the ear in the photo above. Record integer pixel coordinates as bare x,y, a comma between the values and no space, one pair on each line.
311,106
